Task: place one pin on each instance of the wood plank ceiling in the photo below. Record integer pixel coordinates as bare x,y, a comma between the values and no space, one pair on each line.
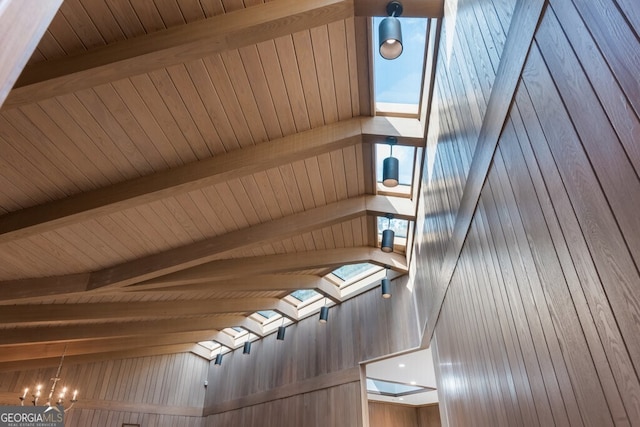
240,156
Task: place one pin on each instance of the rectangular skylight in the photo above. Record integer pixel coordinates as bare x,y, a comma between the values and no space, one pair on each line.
304,294
350,271
388,388
399,226
267,314
399,81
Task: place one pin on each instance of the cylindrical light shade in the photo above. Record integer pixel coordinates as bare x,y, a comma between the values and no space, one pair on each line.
390,171
247,347
324,314
390,38
386,288
281,331
387,240
218,359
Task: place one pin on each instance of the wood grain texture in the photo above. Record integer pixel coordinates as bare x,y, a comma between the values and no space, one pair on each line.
388,414
172,46
532,330
23,24
160,390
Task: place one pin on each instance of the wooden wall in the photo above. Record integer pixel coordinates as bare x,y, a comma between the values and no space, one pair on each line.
152,391
539,325
338,406
392,415
315,357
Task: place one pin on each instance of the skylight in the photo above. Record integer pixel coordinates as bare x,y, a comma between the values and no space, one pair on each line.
399,226
400,81
388,388
267,314
348,272
304,294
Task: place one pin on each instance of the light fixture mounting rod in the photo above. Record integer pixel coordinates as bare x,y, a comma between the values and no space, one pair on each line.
394,8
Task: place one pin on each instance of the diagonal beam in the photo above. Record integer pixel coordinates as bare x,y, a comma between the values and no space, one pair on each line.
198,253
204,251
50,314
109,330
262,282
235,268
147,189
172,182
22,24
89,358
172,46
38,351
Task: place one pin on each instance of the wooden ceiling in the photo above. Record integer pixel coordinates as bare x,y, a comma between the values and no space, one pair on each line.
164,164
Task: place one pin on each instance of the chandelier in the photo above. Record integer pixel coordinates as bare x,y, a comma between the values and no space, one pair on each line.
60,401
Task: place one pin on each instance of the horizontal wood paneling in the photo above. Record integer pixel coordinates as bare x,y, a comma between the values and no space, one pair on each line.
539,325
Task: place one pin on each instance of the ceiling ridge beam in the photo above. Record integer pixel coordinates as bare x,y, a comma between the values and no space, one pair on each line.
172,46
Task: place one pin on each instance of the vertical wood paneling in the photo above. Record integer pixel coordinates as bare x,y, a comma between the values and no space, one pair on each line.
539,326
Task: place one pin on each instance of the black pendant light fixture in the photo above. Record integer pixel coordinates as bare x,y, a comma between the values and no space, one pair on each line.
324,312
281,331
386,285
219,357
390,166
387,236
247,345
390,33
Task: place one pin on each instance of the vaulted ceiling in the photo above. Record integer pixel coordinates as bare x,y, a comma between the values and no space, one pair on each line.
168,168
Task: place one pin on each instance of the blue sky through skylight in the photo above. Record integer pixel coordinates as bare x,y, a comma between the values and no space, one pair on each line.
399,80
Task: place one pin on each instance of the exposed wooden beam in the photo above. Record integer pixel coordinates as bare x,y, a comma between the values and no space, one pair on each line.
172,46
98,357
252,326
22,24
147,189
204,251
43,351
106,330
261,282
172,182
223,270
201,252
407,131
411,8
50,314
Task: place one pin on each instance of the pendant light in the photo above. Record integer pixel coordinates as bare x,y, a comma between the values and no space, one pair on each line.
390,32
281,331
387,236
324,312
391,166
385,286
219,357
247,345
